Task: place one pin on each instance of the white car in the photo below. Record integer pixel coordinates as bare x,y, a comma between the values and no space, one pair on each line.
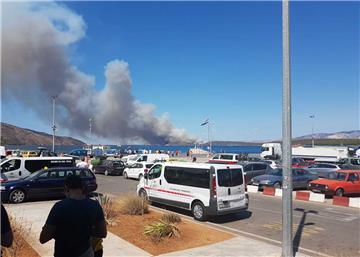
137,170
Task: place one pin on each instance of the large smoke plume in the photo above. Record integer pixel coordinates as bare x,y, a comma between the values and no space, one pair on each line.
35,66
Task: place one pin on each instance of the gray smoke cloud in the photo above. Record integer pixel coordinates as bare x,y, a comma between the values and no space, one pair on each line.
35,66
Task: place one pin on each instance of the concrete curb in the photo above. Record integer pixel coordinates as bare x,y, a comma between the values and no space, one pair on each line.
353,202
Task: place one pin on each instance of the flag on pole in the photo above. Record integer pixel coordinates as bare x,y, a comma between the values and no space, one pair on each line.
205,122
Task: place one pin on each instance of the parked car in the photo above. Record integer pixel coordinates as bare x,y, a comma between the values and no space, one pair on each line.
273,164
44,184
345,182
349,163
323,170
110,167
298,163
204,188
149,157
78,153
225,158
137,170
301,178
253,169
21,167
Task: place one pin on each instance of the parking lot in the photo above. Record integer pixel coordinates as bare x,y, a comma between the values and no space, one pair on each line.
320,228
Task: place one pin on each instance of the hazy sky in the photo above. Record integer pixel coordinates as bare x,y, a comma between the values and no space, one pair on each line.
223,61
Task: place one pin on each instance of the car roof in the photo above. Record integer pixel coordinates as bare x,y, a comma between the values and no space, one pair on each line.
64,168
202,165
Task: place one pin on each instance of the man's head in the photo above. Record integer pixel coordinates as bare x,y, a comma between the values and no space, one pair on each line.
73,184
82,159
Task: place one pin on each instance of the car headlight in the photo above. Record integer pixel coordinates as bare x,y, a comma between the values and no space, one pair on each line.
2,188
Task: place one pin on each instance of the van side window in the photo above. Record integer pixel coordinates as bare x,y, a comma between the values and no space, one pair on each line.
13,164
155,172
35,165
187,176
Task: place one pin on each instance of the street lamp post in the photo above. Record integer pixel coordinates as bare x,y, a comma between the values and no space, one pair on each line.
312,130
53,122
90,127
287,235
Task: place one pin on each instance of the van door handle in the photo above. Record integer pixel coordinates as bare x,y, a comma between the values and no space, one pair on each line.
20,173
160,182
229,191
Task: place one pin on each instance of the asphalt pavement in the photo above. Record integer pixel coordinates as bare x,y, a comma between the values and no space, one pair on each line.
317,228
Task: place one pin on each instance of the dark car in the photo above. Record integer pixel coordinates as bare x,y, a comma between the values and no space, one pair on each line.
253,169
273,178
46,183
78,153
110,167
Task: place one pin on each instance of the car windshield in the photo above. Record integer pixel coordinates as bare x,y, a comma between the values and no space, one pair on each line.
134,158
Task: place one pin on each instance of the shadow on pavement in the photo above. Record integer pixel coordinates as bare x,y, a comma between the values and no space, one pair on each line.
297,237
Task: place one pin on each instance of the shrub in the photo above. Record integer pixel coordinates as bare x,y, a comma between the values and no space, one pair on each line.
20,230
133,205
170,217
95,162
108,207
161,229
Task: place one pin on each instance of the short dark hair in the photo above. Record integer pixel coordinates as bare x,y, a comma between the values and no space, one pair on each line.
74,182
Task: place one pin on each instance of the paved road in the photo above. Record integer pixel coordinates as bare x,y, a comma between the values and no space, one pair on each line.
321,228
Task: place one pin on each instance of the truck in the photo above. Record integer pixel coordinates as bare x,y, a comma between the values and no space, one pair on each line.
274,151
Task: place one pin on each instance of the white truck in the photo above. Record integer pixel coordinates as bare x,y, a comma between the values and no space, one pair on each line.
274,151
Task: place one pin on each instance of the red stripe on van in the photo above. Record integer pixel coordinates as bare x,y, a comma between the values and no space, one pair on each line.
169,192
222,162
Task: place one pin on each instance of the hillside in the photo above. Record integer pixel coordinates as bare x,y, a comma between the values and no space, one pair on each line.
354,134
12,135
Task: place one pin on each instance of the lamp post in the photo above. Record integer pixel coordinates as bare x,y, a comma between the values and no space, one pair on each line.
53,121
312,130
287,188
90,127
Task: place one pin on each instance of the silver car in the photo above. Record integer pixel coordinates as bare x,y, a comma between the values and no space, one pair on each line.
323,170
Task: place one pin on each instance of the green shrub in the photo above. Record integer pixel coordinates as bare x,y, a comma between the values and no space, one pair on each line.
161,229
133,205
170,217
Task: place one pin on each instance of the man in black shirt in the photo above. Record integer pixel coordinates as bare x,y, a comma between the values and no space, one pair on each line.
72,221
6,232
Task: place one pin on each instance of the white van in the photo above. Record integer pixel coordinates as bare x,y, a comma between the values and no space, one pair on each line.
204,188
149,157
21,167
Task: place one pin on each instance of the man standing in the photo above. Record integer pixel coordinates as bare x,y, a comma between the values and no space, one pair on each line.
72,221
82,163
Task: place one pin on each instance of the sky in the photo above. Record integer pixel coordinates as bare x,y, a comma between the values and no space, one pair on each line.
222,61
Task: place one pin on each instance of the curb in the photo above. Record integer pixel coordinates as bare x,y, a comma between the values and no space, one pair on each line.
308,196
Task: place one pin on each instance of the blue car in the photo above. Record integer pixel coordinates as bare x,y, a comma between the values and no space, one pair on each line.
46,183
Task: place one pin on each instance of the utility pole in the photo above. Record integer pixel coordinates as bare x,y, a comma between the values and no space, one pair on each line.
209,138
312,130
287,236
53,122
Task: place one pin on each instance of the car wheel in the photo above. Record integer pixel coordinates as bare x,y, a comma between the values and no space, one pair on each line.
125,175
140,176
339,192
198,211
277,185
17,196
106,173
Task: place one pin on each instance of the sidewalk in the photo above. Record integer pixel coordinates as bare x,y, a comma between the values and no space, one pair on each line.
35,213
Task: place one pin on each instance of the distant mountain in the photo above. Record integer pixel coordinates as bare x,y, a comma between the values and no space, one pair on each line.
354,134
12,135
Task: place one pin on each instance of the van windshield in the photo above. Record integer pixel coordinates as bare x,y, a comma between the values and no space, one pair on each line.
230,177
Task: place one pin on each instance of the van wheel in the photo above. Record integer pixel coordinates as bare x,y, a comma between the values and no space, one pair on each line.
17,196
106,173
339,192
125,175
140,176
198,211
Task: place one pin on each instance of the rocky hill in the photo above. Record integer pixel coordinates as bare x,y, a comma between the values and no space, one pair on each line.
12,135
354,134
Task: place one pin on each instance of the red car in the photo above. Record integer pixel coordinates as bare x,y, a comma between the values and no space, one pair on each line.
344,182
